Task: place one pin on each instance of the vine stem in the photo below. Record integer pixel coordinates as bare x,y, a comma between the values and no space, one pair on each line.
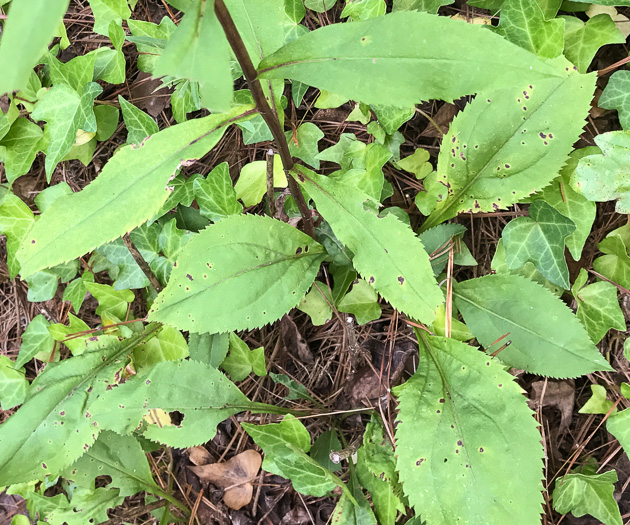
268,115
142,263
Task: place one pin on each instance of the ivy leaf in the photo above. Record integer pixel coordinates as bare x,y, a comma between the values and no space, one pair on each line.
588,493
362,302
168,345
619,426
616,95
387,253
546,338
150,40
582,40
36,341
121,458
13,384
319,6
597,306
76,290
503,147
16,219
25,36
135,179
241,361
87,506
139,125
364,9
22,143
115,302
66,112
317,304
615,264
210,349
523,23
76,73
528,270
58,410
226,274
563,198
427,6
539,239
597,403
602,177
122,408
304,145
106,11
215,194
285,445
345,58
186,55
252,182
116,258
438,439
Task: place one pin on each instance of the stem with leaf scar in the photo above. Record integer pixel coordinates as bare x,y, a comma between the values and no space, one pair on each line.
270,118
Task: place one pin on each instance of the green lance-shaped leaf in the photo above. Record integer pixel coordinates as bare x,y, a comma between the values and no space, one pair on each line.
387,253
28,30
605,177
406,57
254,19
571,204
135,180
546,338
238,274
169,386
462,417
199,51
121,458
616,95
597,306
506,145
56,424
588,493
523,23
539,239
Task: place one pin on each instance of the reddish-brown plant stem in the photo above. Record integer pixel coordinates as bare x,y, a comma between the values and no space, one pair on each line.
240,51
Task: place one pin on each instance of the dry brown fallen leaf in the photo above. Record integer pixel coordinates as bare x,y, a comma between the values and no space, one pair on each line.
235,477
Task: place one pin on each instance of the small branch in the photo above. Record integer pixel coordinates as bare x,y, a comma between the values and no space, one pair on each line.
270,195
268,115
144,266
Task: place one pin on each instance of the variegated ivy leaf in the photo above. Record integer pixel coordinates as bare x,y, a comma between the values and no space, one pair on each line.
604,177
562,197
461,416
616,95
523,23
583,39
506,145
598,306
615,263
539,239
224,278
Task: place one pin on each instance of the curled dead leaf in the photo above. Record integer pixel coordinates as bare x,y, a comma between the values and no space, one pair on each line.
235,477
199,456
